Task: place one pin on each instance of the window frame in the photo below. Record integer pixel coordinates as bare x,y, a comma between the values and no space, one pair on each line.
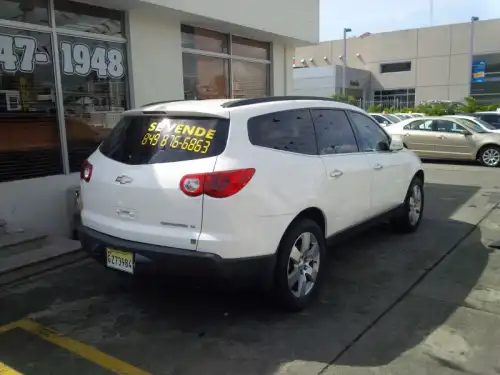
435,129
482,115
356,139
63,7
408,126
54,32
308,110
230,57
375,115
7,23
359,136
402,64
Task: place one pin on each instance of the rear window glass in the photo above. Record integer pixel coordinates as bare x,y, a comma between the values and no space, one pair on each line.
291,131
159,139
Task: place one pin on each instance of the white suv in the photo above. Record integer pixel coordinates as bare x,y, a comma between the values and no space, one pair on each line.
248,188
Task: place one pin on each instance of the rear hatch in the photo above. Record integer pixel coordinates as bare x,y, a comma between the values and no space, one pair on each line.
134,187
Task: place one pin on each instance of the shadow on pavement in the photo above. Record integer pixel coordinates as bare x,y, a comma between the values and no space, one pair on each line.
414,320
185,329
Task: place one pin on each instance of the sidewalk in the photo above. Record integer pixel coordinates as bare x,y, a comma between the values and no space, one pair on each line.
449,324
26,253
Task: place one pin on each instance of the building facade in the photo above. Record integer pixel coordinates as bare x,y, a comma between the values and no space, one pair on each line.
69,69
409,66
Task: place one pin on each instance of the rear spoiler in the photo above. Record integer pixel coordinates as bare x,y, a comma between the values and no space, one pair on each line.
177,113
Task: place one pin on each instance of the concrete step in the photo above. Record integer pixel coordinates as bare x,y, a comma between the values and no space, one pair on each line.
17,242
29,254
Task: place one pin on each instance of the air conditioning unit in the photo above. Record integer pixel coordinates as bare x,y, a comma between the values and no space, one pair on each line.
10,100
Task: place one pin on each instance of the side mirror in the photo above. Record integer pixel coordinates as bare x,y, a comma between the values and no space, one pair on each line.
466,132
396,143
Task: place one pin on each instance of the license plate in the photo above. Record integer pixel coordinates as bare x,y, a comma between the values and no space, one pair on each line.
120,260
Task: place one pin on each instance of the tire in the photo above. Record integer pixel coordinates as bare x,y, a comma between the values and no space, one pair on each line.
408,218
489,156
301,264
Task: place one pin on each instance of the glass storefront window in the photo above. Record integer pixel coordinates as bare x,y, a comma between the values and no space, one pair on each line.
205,77
88,18
487,90
204,40
250,48
395,98
29,133
250,79
33,11
93,77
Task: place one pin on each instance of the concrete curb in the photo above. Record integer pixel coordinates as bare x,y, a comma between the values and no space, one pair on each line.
38,263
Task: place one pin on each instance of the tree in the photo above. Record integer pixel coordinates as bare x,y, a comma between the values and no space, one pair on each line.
375,108
344,98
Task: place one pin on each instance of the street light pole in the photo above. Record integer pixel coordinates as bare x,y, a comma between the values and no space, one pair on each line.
344,60
473,21
431,12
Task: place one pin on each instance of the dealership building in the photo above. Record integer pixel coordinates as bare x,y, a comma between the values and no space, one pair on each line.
407,66
69,69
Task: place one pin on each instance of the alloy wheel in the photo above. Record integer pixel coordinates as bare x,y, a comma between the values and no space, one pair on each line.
303,265
491,157
415,204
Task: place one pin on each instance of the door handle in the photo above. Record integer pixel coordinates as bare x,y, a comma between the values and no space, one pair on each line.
378,167
440,137
406,134
336,173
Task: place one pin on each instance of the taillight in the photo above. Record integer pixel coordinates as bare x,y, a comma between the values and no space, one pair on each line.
216,184
86,171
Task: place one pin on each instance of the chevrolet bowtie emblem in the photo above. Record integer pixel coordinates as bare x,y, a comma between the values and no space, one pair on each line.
124,180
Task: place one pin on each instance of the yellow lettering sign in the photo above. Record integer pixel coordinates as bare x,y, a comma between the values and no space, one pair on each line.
189,129
210,134
200,132
152,127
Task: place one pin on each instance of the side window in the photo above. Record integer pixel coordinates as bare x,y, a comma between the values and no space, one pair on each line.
334,132
378,118
414,125
425,125
447,126
371,137
492,119
291,131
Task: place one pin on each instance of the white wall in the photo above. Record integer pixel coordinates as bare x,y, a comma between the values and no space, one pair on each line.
295,19
327,80
156,57
314,81
155,54
282,69
38,204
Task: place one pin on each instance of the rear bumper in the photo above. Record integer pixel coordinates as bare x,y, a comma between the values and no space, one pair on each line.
177,262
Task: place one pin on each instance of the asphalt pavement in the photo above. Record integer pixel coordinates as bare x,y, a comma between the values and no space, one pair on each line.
426,303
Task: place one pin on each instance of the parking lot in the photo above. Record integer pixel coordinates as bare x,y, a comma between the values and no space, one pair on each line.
427,303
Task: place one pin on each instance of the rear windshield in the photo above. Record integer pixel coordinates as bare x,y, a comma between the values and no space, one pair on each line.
393,118
160,139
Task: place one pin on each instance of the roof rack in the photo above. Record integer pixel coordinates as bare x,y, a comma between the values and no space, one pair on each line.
161,102
270,99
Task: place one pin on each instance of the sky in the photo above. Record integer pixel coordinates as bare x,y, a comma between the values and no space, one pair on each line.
387,15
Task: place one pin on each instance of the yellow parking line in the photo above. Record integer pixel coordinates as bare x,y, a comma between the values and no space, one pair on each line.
8,327
6,370
85,351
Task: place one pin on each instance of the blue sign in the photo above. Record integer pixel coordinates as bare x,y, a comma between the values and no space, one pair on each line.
478,71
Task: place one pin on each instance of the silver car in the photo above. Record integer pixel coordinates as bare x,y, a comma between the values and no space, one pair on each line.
449,138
